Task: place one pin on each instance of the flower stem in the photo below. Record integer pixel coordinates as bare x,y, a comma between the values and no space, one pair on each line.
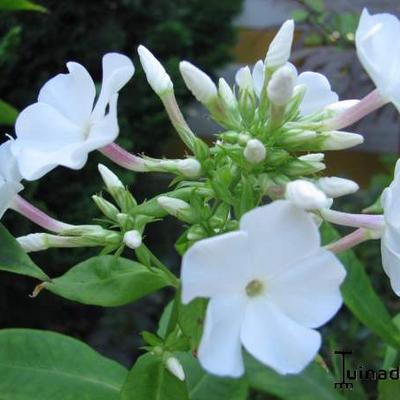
367,221
37,216
353,239
368,104
123,158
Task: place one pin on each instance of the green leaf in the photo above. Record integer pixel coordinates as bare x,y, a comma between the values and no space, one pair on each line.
191,318
202,386
46,365
14,259
13,5
388,389
360,296
300,15
108,281
315,5
150,380
314,383
8,114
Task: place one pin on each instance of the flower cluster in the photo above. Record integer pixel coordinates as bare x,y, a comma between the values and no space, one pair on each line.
265,262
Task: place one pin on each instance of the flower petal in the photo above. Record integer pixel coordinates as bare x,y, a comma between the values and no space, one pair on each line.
318,92
216,265
391,260
8,163
220,350
258,77
8,190
70,94
276,340
117,70
379,52
308,291
279,234
45,139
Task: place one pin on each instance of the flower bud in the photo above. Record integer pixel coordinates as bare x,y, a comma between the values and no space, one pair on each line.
244,79
335,187
254,151
306,195
196,232
279,49
198,82
33,242
156,75
299,167
175,367
258,75
339,140
226,94
132,239
189,167
107,208
313,157
280,87
298,137
341,106
111,180
172,205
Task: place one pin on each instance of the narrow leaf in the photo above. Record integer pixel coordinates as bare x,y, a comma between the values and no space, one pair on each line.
108,281
14,5
8,114
14,259
46,365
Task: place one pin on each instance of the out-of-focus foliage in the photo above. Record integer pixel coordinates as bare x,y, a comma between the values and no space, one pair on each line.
11,5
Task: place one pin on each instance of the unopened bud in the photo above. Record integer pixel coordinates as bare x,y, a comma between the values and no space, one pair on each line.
341,106
280,88
298,167
254,151
107,208
196,232
298,137
339,140
279,50
244,79
313,157
33,242
258,75
306,195
172,205
335,187
111,180
156,75
189,167
175,367
198,82
226,94
133,239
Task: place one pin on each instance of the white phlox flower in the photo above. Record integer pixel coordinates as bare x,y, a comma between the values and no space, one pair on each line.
65,124
10,177
270,284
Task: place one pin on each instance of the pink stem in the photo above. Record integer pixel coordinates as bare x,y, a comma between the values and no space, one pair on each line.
368,104
353,239
375,222
123,158
37,216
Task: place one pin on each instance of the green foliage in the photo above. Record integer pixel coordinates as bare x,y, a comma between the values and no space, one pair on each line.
108,281
8,114
14,259
45,365
150,380
13,5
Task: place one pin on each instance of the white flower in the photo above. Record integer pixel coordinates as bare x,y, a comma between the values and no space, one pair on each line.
306,195
280,87
255,151
10,177
378,49
133,239
156,75
198,82
175,367
390,241
64,126
318,92
334,186
279,49
270,284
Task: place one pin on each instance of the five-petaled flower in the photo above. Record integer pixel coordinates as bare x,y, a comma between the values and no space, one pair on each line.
65,125
270,284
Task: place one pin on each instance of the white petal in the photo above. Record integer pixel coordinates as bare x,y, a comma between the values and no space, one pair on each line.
216,265
308,290
378,49
279,49
220,350
8,163
117,70
8,191
258,77
391,259
244,79
276,340
390,203
70,94
318,92
45,139
279,234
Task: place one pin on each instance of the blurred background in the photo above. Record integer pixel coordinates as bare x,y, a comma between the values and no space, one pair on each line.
218,36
